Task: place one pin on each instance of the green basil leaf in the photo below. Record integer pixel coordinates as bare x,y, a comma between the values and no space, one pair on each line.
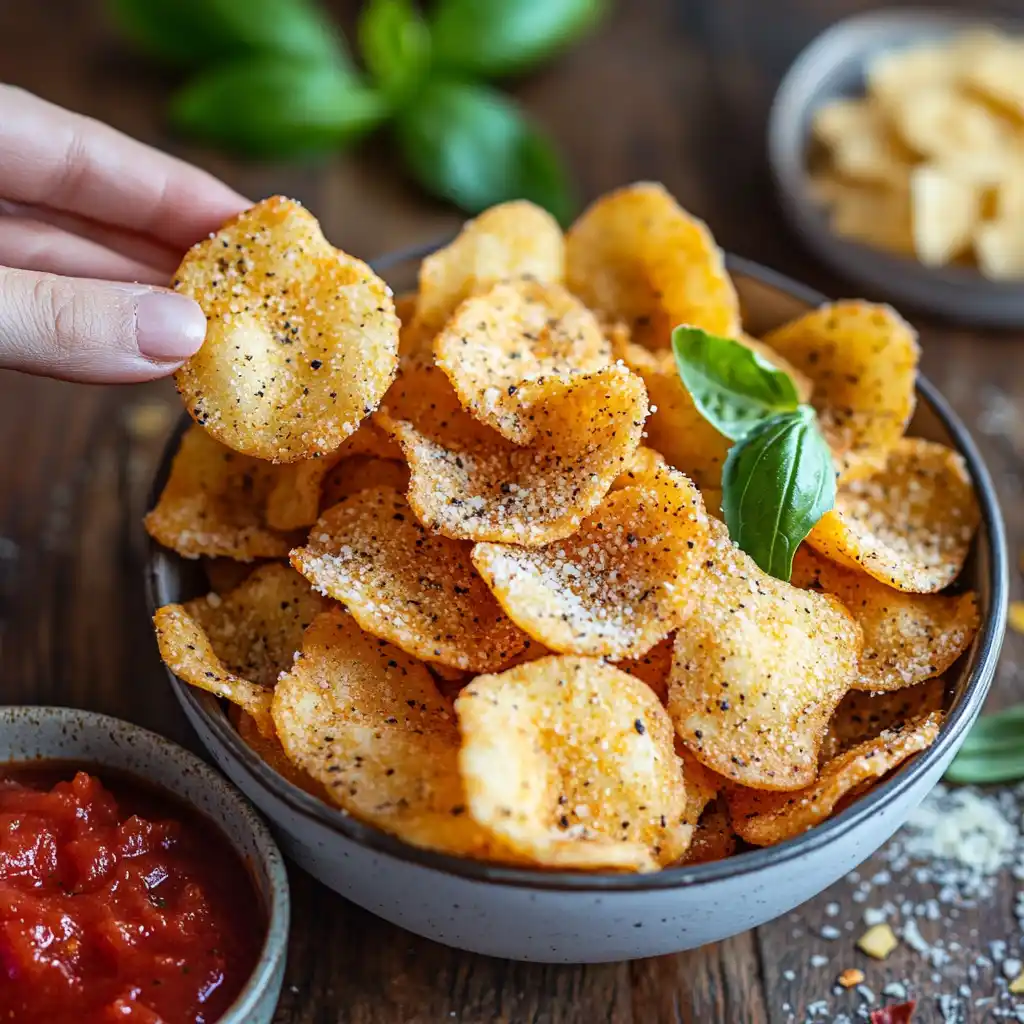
473,146
196,32
500,37
776,484
395,45
268,107
993,750
733,388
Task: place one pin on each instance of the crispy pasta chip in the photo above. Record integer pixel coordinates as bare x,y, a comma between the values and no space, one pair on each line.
236,646
759,667
570,763
301,339
224,574
214,504
270,751
469,482
862,360
908,638
511,240
863,715
909,524
515,332
713,838
405,585
644,464
702,784
765,819
367,722
360,473
615,587
636,256
653,667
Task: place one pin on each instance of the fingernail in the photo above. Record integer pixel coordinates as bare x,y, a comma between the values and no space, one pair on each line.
168,327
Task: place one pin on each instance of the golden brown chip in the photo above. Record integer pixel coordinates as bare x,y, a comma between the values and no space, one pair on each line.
713,838
469,482
224,574
570,763
414,589
653,667
270,751
214,504
862,359
768,818
615,587
367,722
636,256
863,715
907,637
301,339
359,473
644,464
946,210
758,669
999,247
511,240
910,524
512,333
702,784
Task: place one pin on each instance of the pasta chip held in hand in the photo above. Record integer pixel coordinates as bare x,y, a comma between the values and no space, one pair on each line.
236,646
768,818
301,339
508,241
469,482
909,524
615,587
862,359
759,667
366,721
908,638
635,255
570,763
214,504
412,588
513,333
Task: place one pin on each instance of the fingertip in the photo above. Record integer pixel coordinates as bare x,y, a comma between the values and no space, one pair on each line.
168,327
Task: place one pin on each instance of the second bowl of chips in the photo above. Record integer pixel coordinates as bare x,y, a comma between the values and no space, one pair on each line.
834,67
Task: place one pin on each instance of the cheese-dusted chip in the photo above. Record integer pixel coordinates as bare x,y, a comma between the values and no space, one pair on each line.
615,587
999,247
652,667
702,784
512,333
367,722
570,763
863,715
214,504
350,476
995,72
909,524
236,646
636,256
765,819
713,838
908,638
405,585
516,239
946,210
873,216
758,669
270,751
301,339
644,464
224,574
862,358
469,482
940,121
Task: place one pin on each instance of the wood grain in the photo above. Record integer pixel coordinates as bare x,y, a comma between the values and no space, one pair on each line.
671,91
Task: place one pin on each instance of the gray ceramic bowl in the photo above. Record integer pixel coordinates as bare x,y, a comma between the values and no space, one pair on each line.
33,733
563,917
833,66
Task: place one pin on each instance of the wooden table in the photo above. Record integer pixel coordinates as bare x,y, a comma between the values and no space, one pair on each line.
671,91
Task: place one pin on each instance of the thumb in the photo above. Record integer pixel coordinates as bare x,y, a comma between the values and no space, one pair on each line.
85,330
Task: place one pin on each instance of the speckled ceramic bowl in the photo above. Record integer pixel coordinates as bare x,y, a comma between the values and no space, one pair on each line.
34,733
833,66
571,918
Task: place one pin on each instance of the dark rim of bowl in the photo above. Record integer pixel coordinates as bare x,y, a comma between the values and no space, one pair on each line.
979,670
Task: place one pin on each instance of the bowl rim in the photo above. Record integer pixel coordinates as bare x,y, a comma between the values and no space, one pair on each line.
786,142
278,898
980,671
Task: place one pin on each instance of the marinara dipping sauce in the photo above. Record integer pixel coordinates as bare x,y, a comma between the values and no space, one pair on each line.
117,904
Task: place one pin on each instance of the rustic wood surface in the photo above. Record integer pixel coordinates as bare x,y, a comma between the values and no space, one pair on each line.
671,91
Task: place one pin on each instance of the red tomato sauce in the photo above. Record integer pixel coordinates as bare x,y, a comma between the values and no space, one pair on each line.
117,904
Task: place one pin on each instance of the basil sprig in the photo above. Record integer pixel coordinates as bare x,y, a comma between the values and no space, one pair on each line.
778,479
274,78
993,750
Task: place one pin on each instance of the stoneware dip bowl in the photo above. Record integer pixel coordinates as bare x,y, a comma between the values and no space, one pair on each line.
563,917
97,741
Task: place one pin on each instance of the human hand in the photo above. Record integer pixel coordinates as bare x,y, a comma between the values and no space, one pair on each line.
83,207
